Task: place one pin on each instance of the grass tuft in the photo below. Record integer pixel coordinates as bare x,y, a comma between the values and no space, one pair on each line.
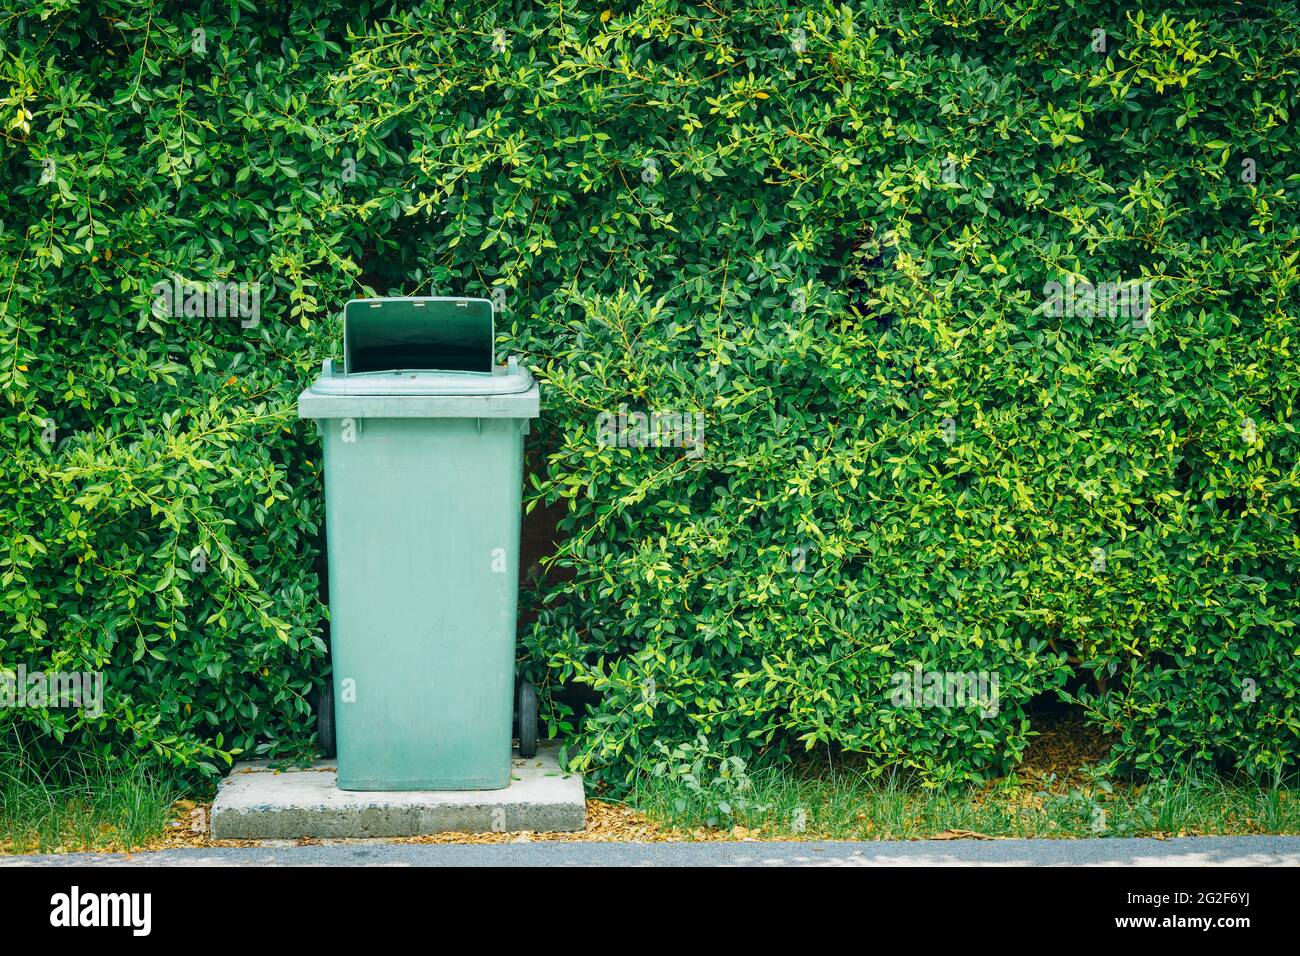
79,802
792,802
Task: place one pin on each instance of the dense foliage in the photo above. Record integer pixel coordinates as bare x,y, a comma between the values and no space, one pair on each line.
828,228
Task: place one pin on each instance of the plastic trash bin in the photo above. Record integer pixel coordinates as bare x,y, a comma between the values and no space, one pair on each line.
423,463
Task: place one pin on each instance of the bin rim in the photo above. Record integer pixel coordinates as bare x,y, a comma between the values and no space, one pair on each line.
502,380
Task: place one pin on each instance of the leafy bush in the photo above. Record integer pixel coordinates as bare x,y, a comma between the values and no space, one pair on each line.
829,230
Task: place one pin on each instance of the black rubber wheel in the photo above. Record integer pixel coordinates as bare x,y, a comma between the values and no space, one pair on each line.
526,713
325,720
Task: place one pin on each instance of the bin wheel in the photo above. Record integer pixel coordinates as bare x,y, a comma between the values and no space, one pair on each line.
325,720
526,708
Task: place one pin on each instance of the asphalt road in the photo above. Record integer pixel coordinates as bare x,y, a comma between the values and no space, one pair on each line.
1190,851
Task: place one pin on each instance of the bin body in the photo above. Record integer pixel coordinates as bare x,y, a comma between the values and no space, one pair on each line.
423,482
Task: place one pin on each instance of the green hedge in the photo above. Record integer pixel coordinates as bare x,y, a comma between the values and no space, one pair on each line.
828,229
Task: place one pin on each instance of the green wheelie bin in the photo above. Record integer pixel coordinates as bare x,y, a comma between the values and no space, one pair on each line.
423,465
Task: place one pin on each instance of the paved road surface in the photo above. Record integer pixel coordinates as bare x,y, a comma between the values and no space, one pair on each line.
1191,851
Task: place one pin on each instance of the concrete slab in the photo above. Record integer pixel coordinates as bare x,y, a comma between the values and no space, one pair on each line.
255,802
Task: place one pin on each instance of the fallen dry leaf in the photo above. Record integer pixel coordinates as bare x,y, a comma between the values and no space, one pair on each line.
962,835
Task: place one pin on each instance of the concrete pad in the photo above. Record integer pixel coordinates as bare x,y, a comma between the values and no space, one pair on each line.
255,802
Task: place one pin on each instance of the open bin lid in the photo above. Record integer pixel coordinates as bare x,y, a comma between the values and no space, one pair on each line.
427,334
420,357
